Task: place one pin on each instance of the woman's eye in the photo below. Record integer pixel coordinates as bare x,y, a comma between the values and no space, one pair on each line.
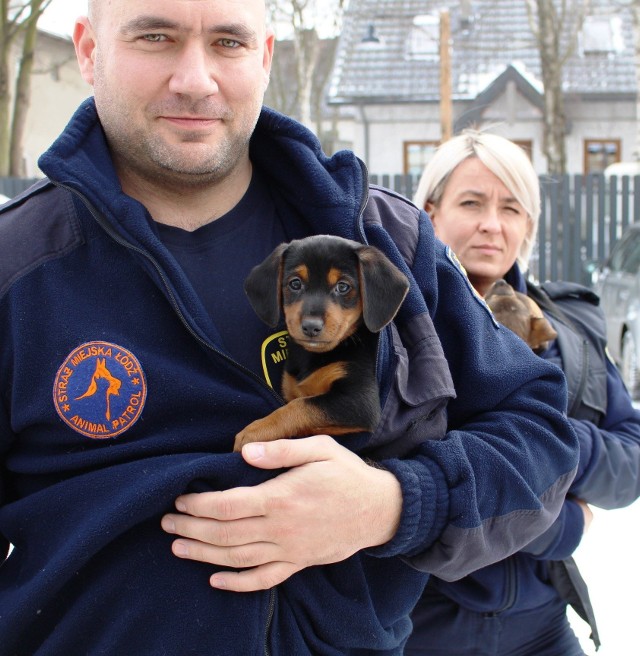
343,288
295,284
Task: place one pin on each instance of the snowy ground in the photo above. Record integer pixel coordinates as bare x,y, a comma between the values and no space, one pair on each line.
609,561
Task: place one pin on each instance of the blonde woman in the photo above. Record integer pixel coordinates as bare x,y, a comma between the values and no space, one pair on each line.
483,197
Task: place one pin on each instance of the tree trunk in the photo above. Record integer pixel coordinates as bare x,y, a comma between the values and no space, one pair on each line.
307,48
549,30
635,10
5,91
22,96
16,18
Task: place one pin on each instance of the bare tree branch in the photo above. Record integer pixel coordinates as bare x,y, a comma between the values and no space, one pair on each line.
17,20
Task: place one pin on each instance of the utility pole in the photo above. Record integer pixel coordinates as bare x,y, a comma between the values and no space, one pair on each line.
446,121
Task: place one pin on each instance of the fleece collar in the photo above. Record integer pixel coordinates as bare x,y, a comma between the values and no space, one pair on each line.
325,193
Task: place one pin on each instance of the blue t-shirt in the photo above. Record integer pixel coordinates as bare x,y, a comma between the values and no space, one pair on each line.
217,258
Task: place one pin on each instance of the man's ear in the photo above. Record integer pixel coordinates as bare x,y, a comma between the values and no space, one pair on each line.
267,58
84,41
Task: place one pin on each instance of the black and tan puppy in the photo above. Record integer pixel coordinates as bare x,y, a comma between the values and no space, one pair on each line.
521,315
336,295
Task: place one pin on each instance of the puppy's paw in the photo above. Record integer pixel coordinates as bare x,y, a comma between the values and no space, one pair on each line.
251,433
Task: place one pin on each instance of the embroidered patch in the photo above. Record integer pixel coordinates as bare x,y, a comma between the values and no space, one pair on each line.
100,390
273,356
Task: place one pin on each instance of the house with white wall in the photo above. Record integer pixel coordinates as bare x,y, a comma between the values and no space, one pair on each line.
57,88
387,75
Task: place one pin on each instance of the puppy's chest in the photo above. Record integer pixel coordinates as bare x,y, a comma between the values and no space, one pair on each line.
313,374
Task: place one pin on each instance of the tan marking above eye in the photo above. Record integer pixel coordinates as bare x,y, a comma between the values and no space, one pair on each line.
333,276
302,271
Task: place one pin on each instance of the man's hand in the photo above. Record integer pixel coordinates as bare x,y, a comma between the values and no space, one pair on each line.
588,513
328,505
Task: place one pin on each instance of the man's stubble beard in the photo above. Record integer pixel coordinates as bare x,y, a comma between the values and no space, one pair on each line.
151,158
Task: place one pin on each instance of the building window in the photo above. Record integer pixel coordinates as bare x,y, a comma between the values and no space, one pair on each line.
424,39
599,153
601,35
417,154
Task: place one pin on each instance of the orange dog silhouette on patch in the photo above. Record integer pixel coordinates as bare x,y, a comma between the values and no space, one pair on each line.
114,384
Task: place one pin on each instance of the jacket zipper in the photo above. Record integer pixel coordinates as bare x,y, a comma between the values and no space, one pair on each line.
123,242
270,613
363,202
511,586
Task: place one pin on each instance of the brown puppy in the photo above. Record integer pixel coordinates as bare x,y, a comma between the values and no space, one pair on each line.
521,315
336,295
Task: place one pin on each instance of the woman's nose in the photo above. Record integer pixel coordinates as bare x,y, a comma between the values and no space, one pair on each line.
490,220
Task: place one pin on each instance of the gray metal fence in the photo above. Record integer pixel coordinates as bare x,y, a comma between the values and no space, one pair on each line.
582,218
13,186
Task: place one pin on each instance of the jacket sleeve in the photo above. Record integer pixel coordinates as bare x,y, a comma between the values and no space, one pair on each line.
562,538
609,469
498,478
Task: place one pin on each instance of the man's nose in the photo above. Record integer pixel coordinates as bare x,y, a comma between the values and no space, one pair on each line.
194,73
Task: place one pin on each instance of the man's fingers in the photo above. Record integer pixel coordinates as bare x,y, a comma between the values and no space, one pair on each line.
228,505
222,534
241,557
258,578
290,453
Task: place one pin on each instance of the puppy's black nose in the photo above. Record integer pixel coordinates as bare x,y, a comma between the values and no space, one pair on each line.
312,326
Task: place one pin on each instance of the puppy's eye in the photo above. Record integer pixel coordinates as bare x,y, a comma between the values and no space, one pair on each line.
295,284
343,288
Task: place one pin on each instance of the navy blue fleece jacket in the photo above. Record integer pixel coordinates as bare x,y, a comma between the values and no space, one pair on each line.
116,396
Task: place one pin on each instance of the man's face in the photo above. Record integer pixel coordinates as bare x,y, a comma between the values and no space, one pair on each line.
178,83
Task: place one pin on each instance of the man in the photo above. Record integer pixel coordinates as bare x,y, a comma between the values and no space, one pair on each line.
131,358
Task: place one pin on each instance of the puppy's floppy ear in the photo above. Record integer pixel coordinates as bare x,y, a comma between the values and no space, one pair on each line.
383,286
542,332
263,286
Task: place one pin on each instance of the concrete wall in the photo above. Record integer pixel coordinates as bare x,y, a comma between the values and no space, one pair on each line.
56,91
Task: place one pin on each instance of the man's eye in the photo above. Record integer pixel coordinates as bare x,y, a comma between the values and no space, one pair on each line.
295,284
154,38
343,288
229,43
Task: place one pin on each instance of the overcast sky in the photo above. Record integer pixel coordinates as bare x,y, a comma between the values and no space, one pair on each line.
61,14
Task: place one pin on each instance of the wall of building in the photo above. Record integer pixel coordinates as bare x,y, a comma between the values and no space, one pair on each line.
57,89
377,132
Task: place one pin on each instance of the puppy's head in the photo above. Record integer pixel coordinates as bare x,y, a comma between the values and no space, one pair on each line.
327,287
521,315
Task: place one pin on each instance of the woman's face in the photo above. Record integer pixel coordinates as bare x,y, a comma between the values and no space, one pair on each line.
481,221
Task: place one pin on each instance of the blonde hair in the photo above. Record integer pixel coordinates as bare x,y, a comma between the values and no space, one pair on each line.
505,159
